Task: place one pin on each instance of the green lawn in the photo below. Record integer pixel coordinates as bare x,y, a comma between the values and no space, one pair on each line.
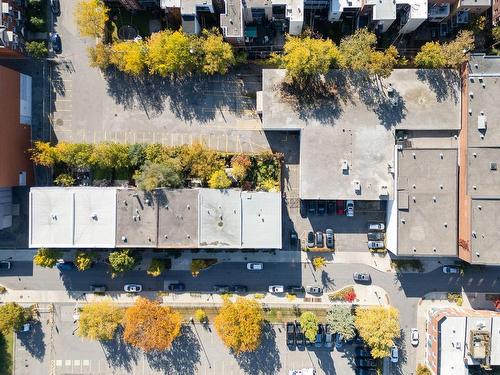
6,355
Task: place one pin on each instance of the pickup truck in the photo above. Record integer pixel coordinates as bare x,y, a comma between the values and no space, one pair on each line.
4,265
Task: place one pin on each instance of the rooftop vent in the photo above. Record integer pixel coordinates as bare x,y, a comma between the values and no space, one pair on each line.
124,239
53,216
441,155
94,216
474,234
345,167
481,121
474,154
471,94
434,249
474,187
493,166
357,187
479,207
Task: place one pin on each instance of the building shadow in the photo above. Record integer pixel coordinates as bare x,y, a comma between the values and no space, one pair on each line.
119,354
33,341
445,83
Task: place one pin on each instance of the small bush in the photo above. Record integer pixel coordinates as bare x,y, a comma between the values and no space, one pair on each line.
156,267
198,265
46,257
64,180
290,296
346,294
407,264
318,262
2,289
455,298
37,50
37,22
423,370
201,316
219,180
84,260
258,295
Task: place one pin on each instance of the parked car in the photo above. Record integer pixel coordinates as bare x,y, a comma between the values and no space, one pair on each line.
293,239
295,289
349,209
376,226
329,238
55,41
56,7
255,266
340,207
321,207
394,354
329,336
366,371
132,288
276,289
176,287
314,289
303,208
319,336
304,371
299,335
376,236
362,352
5,265
310,239
331,207
319,239
339,341
376,244
361,276
240,288
365,362
451,269
414,336
311,207
65,266
221,288
98,288
290,334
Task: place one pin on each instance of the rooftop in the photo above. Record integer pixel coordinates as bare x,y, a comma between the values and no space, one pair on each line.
483,172
451,353
231,21
485,216
427,202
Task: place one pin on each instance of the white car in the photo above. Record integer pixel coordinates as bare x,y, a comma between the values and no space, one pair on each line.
132,288
255,266
451,269
394,354
414,336
276,289
349,208
304,371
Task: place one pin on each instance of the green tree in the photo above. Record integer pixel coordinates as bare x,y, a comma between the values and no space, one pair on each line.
91,17
341,321
136,155
12,317
129,56
200,162
110,155
218,55
151,176
219,180
99,320
46,257
457,51
378,327
99,56
84,260
37,50
37,22
423,370
430,56
306,58
495,33
156,267
309,324
121,261
64,179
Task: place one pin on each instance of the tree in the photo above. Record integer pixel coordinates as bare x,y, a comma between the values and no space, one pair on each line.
84,260
341,321
129,56
219,180
121,261
64,179
495,33
218,55
430,56
199,161
37,50
110,155
382,63
318,262
378,326
150,326
151,176
99,320
43,154
457,51
306,58
12,317
75,155
99,56
309,324
91,17
423,370
156,267
240,165
239,324
46,257
171,53
200,315
37,22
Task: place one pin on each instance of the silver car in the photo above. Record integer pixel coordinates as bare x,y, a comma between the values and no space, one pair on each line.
132,288
314,289
329,238
376,244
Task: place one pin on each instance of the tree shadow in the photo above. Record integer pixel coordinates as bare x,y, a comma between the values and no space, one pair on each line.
326,280
266,359
182,358
325,361
33,340
120,354
5,356
445,83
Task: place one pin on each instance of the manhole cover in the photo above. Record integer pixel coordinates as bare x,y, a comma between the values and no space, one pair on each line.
127,32
59,122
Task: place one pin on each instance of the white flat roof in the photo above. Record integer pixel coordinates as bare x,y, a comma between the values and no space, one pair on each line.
451,348
495,341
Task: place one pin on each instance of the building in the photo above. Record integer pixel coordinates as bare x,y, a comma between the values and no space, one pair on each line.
135,5
189,11
495,16
12,28
95,217
459,340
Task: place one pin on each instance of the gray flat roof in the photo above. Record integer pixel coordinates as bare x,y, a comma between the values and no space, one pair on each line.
232,20
178,218
413,99
483,178
485,218
368,150
427,202
136,219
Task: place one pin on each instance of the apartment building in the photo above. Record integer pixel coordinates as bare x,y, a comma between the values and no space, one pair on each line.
12,28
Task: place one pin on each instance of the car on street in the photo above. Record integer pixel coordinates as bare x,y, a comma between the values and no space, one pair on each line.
276,289
394,354
362,352
293,239
366,371
132,288
176,287
339,341
319,239
331,208
340,207
295,289
321,207
319,336
376,236
376,226
98,288
312,289
304,371
240,288
311,207
55,41
290,334
361,277
414,336
221,288
349,208
255,266
451,269
65,266
299,335
329,238
376,244
56,7
329,336
365,362
310,239
5,265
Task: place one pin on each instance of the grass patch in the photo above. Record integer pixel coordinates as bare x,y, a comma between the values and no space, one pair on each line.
407,264
6,353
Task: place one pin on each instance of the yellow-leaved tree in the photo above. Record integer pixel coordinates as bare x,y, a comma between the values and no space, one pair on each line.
218,55
91,17
99,320
129,56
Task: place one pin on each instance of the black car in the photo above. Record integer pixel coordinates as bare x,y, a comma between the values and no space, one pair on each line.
98,288
331,208
176,287
366,371
293,239
299,335
362,352
295,289
311,208
290,334
365,362
321,207
66,266
319,336
240,288
376,236
5,265
56,7
319,239
221,288
310,239
55,40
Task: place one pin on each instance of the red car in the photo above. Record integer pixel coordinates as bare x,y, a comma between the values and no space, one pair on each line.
340,207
